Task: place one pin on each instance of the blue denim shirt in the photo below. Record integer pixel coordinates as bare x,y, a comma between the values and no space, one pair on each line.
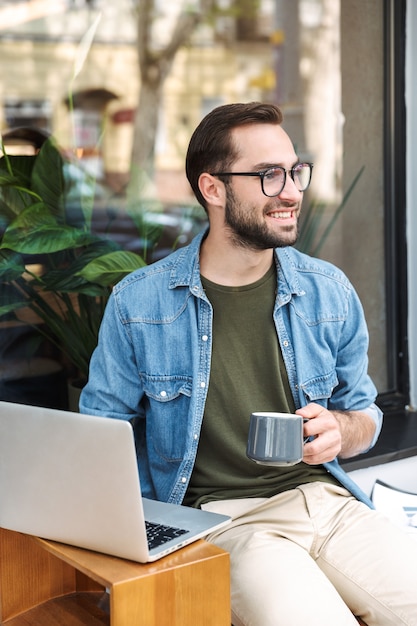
152,362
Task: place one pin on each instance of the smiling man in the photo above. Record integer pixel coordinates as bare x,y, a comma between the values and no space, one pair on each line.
245,224
238,322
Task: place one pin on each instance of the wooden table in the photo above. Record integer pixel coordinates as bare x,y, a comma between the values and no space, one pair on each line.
51,584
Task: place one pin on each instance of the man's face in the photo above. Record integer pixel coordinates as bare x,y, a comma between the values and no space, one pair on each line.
252,219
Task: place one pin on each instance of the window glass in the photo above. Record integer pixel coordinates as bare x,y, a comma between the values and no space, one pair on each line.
89,72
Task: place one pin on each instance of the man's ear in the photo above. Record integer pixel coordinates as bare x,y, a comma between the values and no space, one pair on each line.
212,189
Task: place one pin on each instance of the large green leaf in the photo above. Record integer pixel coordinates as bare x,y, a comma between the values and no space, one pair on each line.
35,231
11,266
95,249
6,214
71,280
8,179
48,179
110,268
15,194
18,198
17,167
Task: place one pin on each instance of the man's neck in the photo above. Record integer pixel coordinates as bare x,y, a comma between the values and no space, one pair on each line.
227,264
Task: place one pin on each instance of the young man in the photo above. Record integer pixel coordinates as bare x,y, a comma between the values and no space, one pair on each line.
237,322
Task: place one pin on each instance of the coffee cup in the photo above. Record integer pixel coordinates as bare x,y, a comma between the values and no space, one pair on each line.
275,438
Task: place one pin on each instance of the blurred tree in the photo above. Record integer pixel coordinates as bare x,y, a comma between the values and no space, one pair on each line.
155,62
156,59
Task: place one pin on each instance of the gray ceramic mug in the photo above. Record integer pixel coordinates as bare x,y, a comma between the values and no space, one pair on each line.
275,438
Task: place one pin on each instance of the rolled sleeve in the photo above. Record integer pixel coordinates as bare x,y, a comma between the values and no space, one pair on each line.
377,416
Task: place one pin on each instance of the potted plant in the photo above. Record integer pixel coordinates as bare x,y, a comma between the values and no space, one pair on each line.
51,262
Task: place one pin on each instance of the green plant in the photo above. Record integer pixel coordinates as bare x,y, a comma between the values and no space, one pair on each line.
45,223
309,239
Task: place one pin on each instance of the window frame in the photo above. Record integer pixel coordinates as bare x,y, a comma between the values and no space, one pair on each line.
396,397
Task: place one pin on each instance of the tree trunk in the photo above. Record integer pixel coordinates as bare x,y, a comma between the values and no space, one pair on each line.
155,65
145,129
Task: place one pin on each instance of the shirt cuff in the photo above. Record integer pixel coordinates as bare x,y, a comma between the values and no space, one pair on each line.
376,414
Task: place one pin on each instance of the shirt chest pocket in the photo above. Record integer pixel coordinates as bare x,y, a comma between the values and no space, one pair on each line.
167,409
320,387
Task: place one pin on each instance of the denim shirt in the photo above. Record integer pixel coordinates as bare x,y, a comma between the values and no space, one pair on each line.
152,362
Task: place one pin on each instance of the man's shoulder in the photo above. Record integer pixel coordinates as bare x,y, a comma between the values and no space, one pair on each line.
174,268
160,267
302,264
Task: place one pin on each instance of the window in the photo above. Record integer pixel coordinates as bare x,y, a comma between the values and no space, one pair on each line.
337,70
28,112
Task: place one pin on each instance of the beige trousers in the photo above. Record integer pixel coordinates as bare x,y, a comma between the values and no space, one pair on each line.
314,555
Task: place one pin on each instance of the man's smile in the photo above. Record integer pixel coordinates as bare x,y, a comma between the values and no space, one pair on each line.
281,215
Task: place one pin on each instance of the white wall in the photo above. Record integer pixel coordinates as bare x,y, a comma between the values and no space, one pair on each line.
411,104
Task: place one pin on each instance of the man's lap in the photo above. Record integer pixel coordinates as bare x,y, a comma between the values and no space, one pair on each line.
296,555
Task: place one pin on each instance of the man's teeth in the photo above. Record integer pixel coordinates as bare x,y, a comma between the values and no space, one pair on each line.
281,214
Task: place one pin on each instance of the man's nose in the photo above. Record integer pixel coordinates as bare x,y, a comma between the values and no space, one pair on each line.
290,190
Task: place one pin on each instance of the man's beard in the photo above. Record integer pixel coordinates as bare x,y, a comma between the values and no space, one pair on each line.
249,232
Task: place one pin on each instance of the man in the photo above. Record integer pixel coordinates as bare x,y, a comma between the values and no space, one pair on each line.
237,322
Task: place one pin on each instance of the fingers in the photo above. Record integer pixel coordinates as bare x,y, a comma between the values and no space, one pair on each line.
323,431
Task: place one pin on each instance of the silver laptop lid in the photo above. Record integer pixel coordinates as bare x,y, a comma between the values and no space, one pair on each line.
61,478
74,478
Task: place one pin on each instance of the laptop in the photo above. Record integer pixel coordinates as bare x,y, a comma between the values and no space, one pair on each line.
74,478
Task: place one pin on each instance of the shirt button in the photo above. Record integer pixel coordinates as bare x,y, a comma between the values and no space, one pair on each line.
204,338
183,479
195,437
202,384
163,394
286,344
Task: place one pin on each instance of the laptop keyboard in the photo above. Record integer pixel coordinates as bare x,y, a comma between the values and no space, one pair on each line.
158,534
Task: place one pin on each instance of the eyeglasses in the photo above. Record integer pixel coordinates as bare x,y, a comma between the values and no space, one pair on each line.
274,178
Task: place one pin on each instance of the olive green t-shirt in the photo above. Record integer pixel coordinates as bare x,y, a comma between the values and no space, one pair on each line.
247,374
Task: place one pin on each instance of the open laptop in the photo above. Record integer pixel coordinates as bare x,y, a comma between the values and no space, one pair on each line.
74,478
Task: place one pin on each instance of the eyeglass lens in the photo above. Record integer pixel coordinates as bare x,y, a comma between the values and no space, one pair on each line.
274,179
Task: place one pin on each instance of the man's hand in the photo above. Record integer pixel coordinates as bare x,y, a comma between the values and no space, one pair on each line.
334,433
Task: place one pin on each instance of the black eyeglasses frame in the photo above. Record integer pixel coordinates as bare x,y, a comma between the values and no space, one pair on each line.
263,173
